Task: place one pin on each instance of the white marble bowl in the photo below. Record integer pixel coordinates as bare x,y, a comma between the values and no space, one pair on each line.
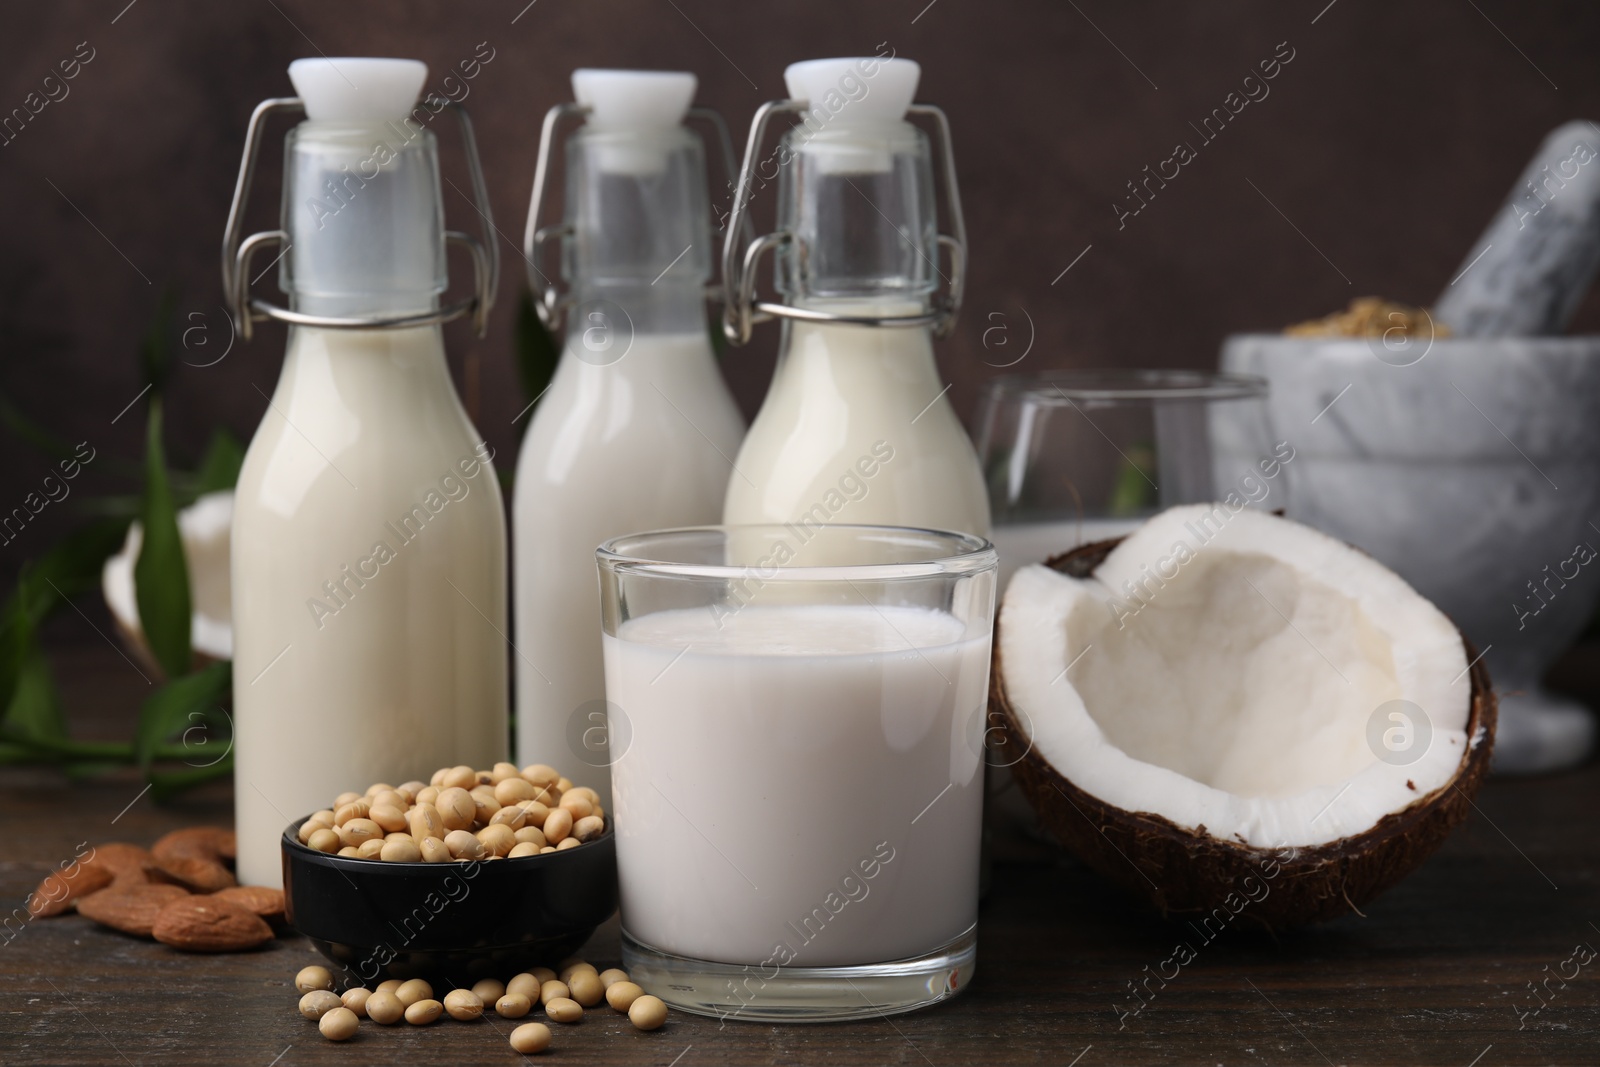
1472,468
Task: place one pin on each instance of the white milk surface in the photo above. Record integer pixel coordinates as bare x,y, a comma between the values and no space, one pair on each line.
354,665
802,786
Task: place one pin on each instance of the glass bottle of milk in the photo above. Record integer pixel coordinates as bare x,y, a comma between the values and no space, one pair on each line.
856,427
369,556
637,430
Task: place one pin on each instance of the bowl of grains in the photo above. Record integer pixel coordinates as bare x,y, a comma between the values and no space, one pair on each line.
472,874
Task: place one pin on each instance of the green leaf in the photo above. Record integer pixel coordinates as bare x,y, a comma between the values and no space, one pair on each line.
182,705
13,419
1133,493
220,467
719,340
160,575
155,351
55,749
537,355
13,754
66,571
33,709
168,784
69,569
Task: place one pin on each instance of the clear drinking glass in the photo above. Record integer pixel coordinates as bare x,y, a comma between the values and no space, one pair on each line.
796,716
1086,455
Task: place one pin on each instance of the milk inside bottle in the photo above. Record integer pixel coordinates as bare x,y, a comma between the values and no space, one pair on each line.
857,426
637,430
369,557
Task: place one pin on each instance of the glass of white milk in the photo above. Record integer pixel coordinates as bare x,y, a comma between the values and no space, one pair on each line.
1076,456
797,733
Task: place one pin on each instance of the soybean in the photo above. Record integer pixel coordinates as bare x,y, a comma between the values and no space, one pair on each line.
513,1006
405,851
384,1008
313,977
413,992
424,1012
530,1037
497,840
456,808
586,988
648,1013
317,1003
526,984
340,1024
463,1004
356,1000
463,845
324,839
541,775
557,825
564,1010
621,995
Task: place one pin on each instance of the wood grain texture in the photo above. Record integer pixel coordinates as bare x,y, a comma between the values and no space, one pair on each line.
1433,974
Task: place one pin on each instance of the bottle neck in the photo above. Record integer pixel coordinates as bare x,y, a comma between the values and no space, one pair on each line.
857,202
631,309
364,219
897,358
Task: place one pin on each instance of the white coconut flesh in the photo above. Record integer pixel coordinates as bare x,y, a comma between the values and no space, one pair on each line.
205,528
1219,669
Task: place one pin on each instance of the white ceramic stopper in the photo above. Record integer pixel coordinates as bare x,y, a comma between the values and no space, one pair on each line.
633,99
358,89
636,113
853,89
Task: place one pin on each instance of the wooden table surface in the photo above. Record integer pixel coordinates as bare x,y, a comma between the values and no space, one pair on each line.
1436,973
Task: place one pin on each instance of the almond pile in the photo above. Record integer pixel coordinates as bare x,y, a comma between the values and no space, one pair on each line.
180,891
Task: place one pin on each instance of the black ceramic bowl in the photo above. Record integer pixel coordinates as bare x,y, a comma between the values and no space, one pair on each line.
455,921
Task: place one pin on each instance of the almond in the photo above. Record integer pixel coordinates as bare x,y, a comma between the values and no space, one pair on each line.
128,864
253,898
193,856
204,924
199,873
60,889
212,841
132,908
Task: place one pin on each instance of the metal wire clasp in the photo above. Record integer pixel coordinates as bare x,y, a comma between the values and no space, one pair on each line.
742,310
237,254
550,298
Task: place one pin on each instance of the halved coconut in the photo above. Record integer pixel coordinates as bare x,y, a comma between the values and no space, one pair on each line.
206,528
1229,710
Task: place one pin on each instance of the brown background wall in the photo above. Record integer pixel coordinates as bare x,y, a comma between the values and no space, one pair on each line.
1388,140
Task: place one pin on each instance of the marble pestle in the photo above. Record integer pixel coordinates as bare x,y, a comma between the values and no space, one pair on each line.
1526,274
